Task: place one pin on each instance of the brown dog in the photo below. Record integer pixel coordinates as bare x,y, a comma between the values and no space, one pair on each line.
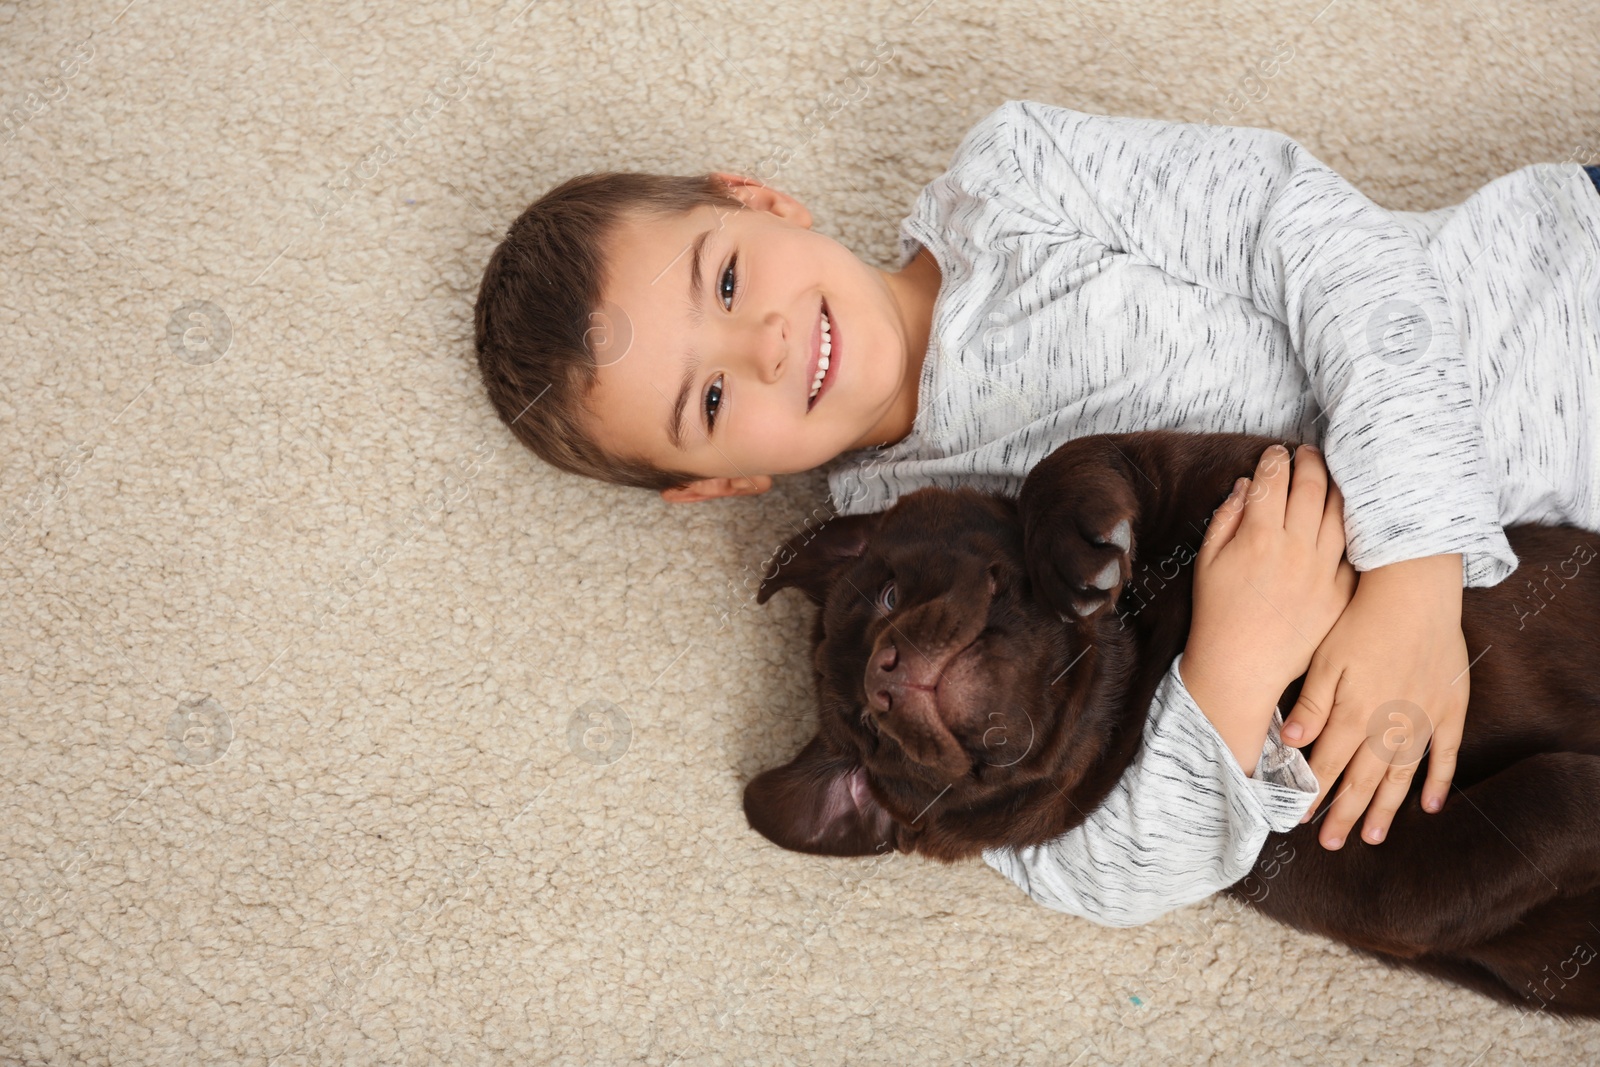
946,626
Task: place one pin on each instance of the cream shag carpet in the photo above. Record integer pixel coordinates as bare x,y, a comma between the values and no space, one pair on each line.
304,655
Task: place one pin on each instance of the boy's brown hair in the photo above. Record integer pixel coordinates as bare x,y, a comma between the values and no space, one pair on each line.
535,306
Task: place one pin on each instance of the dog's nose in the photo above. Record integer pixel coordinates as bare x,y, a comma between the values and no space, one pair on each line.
881,682
903,702
890,675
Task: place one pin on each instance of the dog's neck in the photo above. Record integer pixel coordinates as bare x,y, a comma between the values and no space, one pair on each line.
1101,726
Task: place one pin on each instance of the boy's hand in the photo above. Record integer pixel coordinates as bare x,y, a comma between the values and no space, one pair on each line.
1391,673
1270,581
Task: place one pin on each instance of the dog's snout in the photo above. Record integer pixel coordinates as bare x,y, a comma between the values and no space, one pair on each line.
903,680
882,681
894,674
908,658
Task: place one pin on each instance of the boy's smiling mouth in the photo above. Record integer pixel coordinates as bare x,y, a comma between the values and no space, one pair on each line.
822,365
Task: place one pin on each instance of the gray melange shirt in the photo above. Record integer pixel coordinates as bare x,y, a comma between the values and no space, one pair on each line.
1107,275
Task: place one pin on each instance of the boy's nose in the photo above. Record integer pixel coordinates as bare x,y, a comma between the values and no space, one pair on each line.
768,349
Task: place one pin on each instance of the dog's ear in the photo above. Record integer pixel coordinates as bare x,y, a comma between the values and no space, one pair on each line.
819,802
810,559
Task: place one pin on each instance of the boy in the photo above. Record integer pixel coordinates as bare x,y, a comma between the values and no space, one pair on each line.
1072,274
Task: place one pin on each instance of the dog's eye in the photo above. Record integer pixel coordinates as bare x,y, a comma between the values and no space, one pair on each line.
886,596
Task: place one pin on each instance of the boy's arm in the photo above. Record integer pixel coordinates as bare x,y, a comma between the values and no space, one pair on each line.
1251,213
1233,704
1183,822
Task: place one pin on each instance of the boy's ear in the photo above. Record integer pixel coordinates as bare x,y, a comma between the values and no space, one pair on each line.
715,488
810,559
759,196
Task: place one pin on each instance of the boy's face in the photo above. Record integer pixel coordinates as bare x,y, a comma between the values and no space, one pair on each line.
743,366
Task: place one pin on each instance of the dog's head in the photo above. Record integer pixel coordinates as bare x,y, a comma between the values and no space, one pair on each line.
939,678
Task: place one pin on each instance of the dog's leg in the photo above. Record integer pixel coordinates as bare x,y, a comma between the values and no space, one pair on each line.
1551,959
1444,883
1096,502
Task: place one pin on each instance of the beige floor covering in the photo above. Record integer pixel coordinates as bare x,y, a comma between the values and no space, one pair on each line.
300,647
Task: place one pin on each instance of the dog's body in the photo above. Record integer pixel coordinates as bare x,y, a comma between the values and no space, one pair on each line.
978,690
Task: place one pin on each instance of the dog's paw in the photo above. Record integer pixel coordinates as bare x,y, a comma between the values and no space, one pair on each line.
1080,554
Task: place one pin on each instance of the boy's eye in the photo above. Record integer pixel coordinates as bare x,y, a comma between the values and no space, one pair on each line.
730,279
729,284
713,402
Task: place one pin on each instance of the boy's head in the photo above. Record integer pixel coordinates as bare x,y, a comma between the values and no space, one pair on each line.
595,353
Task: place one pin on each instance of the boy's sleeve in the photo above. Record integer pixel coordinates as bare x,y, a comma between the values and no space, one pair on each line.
1251,213
1181,824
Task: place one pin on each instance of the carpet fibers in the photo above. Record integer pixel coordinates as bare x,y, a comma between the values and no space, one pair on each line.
335,728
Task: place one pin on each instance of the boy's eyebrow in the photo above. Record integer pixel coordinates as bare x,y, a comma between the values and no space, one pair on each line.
692,364
675,423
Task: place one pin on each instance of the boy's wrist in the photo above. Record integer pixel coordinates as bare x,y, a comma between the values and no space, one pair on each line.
1426,591
1217,669
1430,575
1237,700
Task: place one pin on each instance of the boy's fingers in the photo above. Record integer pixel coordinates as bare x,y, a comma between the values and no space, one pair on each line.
1225,520
1345,580
1364,772
1442,749
1396,744
1264,501
1330,537
1308,494
1310,714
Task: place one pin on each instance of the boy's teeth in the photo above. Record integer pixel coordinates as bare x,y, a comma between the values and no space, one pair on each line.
822,362
822,372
